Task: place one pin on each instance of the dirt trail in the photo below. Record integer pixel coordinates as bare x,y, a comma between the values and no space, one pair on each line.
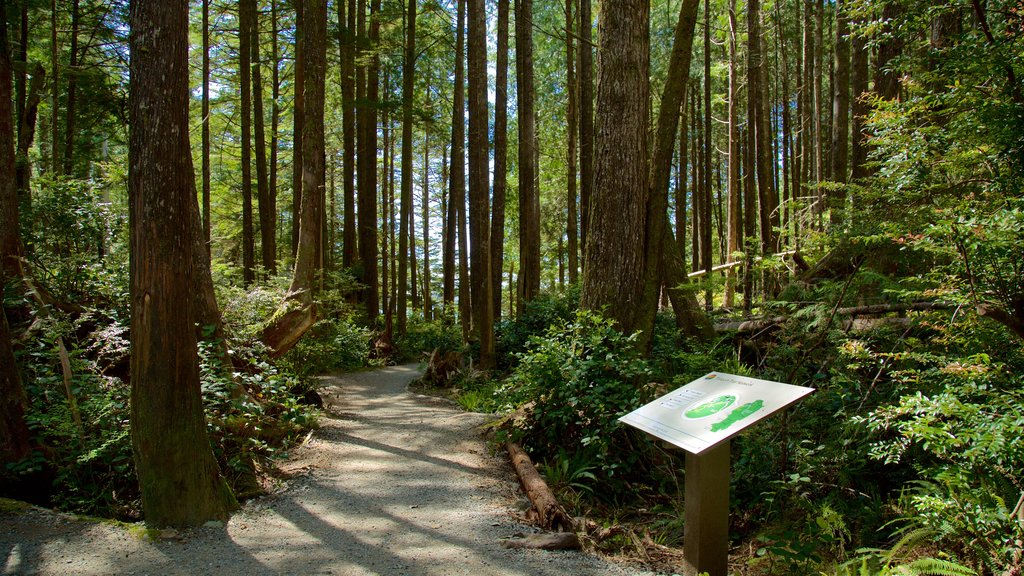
392,483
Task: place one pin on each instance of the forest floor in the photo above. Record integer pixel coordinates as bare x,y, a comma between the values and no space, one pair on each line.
391,483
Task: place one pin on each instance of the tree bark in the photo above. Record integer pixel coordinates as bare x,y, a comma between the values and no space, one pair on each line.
572,91
298,312
457,176
550,514
887,84
178,474
275,117
246,10
735,225
614,262
529,195
15,438
267,210
658,233
368,170
55,163
346,47
298,116
859,87
479,185
428,304
207,227
500,157
405,203
840,115
586,85
705,189
70,112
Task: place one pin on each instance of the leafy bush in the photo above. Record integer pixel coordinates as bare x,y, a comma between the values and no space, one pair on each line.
423,336
573,383
512,335
330,345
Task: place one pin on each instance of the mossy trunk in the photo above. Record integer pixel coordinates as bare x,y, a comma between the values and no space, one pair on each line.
180,481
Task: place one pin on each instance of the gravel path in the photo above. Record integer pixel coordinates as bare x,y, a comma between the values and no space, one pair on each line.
392,483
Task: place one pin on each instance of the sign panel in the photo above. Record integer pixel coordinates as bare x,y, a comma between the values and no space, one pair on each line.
712,409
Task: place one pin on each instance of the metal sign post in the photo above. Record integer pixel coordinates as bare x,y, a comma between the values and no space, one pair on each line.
700,418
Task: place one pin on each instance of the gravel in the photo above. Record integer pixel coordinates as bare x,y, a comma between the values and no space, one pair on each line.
391,483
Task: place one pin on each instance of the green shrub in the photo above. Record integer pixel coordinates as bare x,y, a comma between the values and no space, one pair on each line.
423,336
512,335
574,383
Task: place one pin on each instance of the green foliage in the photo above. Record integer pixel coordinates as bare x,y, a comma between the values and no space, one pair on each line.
513,335
573,383
423,337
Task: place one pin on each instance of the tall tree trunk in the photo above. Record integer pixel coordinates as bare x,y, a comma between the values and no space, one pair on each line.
658,233
72,98
408,86
840,114
788,176
586,65
500,156
15,438
178,474
207,227
807,110
298,313
705,190
428,304
760,124
346,45
267,210
614,258
246,13
887,84
859,87
735,201
529,197
387,266
275,118
457,176
55,163
572,226
368,170
298,117
749,216
479,185
681,187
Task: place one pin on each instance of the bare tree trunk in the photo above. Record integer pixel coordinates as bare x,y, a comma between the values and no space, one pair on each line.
428,305
298,117
55,163
246,12
346,47
457,175
859,87
72,98
388,267
479,185
572,89
529,196
500,157
840,115
614,258
887,84
368,171
207,226
735,203
267,210
15,438
405,225
658,233
586,120
290,322
705,191
178,474
275,118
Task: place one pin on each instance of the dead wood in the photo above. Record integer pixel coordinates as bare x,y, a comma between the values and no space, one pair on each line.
442,367
550,514
285,330
758,324
550,541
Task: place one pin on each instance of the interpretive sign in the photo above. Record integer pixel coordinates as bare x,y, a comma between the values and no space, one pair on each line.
712,409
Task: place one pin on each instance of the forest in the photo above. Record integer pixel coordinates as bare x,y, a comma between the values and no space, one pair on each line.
563,210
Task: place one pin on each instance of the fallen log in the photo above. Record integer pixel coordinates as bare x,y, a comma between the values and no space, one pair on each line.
757,324
550,514
556,541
